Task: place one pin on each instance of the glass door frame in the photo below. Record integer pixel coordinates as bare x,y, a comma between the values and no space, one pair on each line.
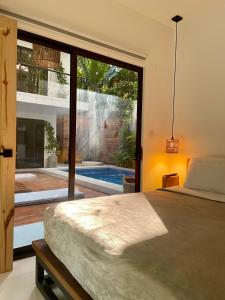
46,42
74,53
139,70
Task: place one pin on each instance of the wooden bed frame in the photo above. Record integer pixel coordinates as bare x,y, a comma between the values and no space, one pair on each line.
57,275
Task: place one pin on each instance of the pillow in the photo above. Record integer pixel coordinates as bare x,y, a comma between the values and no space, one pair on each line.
206,174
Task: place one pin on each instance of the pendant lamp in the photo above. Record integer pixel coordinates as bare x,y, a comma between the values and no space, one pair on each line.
172,144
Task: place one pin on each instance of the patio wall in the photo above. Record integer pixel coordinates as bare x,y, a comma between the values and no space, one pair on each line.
109,143
97,122
26,110
111,139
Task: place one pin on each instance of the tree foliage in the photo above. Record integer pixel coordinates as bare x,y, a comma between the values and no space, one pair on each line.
94,75
125,156
123,83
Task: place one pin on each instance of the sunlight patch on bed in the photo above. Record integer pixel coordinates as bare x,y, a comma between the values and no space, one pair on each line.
113,223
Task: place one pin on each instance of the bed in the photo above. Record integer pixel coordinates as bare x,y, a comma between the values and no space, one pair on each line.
165,244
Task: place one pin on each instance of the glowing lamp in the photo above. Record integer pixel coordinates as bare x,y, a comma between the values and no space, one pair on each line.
172,145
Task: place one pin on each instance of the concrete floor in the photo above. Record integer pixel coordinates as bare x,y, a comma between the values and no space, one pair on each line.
20,283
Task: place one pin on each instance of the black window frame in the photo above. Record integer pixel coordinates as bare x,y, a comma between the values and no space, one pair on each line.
74,53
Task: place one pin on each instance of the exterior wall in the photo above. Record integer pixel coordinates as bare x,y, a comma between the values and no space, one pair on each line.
110,139
38,112
65,59
82,145
109,142
48,108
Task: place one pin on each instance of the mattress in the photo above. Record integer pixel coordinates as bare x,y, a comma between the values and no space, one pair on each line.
198,193
160,245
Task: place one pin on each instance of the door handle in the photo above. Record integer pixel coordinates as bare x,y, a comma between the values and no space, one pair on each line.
6,153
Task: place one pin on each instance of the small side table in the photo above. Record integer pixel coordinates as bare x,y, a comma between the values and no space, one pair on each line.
170,180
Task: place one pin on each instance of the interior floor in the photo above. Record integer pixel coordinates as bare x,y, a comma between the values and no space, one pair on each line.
22,279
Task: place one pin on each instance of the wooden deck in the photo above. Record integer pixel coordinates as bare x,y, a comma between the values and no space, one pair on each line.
34,213
42,182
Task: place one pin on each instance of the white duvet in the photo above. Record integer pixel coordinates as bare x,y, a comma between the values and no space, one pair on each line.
198,193
156,246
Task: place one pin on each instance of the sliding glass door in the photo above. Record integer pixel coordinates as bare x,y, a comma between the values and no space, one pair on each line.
42,135
78,129
106,127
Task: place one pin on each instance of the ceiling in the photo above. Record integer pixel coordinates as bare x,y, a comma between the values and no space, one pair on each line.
164,10
160,10
115,22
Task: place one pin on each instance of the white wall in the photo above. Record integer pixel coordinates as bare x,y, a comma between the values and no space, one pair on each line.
200,100
65,59
201,82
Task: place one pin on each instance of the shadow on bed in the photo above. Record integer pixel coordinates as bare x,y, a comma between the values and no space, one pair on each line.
188,262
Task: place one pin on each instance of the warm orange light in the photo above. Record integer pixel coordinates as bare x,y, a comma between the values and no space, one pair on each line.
158,164
172,145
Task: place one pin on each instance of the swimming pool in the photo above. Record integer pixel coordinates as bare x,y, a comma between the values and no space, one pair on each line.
108,174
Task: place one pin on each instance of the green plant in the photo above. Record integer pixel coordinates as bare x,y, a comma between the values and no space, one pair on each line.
94,74
125,156
123,83
52,145
61,76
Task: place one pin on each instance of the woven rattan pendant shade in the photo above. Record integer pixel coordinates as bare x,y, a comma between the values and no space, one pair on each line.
172,144
44,57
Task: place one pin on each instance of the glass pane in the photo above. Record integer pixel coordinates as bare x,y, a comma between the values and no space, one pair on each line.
43,95
106,127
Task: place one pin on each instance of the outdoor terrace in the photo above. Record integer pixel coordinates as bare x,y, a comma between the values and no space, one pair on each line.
26,214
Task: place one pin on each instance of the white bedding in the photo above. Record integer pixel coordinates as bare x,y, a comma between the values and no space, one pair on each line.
198,193
155,246
206,174
89,237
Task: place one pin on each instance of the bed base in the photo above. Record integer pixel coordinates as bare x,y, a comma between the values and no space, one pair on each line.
51,273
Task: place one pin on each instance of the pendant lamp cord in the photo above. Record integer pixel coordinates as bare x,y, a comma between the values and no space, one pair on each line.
174,82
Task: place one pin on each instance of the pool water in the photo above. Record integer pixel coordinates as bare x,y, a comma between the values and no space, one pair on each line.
112,175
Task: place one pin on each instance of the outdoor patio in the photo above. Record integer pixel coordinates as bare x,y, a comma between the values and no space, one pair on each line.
42,182
39,191
34,213
28,214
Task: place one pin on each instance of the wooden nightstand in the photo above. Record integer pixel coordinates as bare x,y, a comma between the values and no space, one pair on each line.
170,180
